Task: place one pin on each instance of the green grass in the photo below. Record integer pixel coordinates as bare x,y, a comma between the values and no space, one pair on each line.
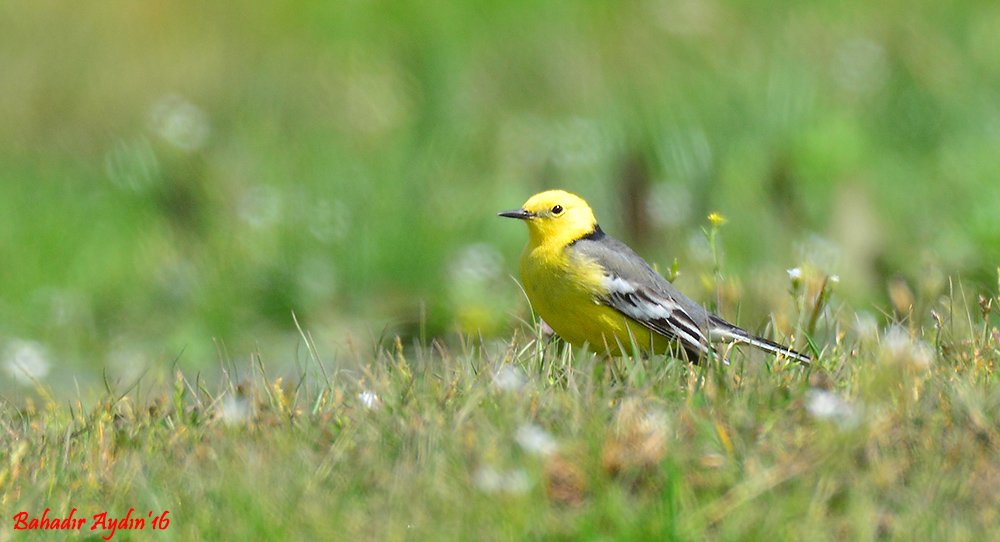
891,435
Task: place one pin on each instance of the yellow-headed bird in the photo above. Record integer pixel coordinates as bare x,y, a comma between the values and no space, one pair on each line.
591,288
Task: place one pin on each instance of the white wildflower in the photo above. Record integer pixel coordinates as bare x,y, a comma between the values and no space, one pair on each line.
234,410
536,440
180,123
827,405
369,399
26,361
900,347
490,480
509,378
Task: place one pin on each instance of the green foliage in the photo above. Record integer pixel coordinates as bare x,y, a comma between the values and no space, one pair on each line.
172,173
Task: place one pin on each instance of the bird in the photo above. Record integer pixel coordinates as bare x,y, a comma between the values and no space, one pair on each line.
592,289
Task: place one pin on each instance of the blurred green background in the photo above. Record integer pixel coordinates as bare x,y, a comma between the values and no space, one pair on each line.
179,176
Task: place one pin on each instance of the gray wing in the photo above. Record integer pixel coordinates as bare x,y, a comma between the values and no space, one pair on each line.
636,290
639,292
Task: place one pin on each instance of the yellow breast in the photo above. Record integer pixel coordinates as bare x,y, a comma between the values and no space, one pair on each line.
564,291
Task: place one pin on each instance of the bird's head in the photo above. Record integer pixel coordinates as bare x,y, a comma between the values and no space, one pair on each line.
555,217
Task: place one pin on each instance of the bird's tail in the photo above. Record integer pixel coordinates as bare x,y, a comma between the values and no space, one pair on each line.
727,332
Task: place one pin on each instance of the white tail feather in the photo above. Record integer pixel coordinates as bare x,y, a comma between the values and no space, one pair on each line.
735,334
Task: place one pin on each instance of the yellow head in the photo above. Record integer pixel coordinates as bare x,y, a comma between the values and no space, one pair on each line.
555,217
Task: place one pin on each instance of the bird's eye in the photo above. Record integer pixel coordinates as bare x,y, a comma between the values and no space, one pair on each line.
557,209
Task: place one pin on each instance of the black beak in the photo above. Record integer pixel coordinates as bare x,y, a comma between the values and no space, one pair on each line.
517,213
